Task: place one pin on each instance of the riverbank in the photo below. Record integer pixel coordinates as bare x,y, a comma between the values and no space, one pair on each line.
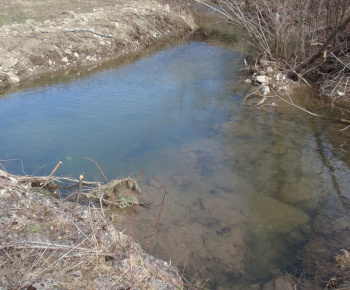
287,42
48,243
72,39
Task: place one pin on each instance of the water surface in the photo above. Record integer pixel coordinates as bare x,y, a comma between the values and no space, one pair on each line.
247,187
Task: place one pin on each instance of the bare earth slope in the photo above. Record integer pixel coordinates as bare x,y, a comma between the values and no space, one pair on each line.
73,39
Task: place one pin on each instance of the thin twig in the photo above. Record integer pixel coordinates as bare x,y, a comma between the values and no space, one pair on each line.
98,168
115,212
160,212
194,277
130,243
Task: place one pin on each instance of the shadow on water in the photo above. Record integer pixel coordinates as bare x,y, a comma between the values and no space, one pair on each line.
248,188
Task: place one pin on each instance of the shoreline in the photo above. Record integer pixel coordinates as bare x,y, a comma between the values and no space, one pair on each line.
50,243
74,40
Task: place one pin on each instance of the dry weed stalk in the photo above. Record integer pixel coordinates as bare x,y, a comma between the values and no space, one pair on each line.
160,212
130,223
114,209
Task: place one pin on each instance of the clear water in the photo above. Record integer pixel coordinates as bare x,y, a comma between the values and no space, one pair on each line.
247,187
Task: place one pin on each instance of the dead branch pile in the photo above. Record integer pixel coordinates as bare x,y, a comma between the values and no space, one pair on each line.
119,192
308,38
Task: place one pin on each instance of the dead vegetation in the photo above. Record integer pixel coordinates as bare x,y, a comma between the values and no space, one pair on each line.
306,39
48,243
341,280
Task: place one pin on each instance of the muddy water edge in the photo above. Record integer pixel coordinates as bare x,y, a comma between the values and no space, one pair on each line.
251,190
271,198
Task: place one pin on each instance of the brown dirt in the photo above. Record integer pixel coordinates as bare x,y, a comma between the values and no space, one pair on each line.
47,243
70,38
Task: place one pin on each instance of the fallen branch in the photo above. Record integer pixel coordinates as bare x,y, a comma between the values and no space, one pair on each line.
52,173
294,105
41,245
323,48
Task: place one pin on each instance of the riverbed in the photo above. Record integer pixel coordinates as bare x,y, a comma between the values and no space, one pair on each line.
249,189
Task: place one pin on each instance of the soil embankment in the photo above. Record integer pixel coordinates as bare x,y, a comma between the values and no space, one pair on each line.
52,244
74,39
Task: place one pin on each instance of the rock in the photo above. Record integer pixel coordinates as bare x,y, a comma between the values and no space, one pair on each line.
248,81
46,284
269,69
280,77
65,59
8,62
262,79
276,216
167,8
13,78
283,88
265,90
278,283
159,284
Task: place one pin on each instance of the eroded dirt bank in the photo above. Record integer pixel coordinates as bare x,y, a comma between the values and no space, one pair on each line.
72,39
48,243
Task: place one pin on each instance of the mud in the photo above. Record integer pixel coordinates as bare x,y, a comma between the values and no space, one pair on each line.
74,39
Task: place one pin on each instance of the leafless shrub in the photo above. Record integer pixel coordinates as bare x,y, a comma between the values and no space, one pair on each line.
309,37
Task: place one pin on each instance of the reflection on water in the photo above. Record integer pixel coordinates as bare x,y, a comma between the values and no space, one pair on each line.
247,188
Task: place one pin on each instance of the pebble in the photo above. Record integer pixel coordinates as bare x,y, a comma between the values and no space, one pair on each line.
13,78
262,79
265,90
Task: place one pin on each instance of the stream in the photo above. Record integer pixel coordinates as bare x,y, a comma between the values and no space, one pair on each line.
249,190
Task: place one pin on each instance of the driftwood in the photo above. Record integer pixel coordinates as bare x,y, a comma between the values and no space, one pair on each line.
52,182
119,192
52,173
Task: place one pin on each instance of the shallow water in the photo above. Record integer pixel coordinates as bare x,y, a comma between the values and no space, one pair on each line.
246,187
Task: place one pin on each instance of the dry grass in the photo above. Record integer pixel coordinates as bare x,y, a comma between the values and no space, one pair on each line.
17,11
58,244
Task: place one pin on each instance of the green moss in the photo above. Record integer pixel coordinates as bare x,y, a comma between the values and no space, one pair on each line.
35,229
